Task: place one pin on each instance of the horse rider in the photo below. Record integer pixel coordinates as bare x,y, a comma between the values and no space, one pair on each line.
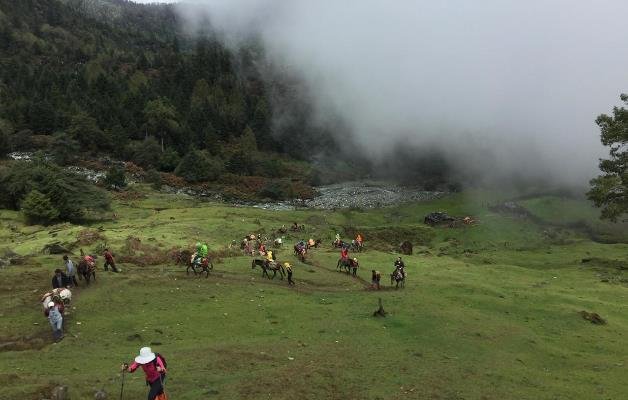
337,241
269,258
399,265
359,239
344,255
262,249
311,243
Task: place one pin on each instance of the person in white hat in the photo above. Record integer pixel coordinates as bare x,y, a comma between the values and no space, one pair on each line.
56,321
154,366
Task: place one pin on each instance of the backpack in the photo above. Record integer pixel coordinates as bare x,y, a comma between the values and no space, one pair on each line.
163,361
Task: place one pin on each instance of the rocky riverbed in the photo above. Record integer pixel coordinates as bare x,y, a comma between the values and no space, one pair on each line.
357,195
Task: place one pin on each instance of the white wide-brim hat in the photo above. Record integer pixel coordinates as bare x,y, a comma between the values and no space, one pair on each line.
146,356
51,304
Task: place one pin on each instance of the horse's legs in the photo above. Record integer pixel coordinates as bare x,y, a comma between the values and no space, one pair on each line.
206,270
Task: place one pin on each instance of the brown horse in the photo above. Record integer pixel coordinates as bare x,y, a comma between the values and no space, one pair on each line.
300,252
86,271
266,266
349,265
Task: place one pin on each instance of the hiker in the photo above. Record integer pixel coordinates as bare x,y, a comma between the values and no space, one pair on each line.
154,367
109,261
295,226
337,241
359,239
375,278
288,268
354,267
56,321
70,271
59,280
399,265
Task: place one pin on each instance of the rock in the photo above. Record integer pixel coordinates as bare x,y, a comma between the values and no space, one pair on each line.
60,393
135,336
54,248
100,395
594,318
405,248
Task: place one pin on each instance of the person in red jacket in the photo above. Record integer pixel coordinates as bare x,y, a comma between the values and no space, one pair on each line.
109,261
344,254
154,369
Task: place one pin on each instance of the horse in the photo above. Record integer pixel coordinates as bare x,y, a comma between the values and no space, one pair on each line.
356,246
300,251
86,271
316,243
397,277
266,265
348,264
206,265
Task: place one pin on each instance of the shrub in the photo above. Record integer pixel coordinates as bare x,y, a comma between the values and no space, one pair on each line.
169,160
38,209
64,149
72,195
144,153
197,166
154,178
115,177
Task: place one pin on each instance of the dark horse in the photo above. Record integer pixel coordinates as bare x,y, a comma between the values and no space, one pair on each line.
300,251
266,266
398,277
205,266
86,271
349,265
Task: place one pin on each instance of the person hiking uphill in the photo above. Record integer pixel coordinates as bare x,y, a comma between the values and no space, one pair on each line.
154,368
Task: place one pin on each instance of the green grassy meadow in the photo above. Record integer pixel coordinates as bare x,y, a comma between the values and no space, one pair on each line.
489,311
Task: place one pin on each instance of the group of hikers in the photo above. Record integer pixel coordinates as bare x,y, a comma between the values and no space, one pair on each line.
65,279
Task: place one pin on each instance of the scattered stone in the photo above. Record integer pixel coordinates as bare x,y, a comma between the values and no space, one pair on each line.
60,393
594,318
135,336
55,248
100,395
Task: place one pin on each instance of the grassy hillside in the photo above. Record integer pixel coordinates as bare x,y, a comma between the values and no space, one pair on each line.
489,311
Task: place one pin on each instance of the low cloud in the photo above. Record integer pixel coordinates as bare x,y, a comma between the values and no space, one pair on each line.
497,87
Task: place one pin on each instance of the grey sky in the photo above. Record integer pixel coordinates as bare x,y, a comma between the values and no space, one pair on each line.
525,79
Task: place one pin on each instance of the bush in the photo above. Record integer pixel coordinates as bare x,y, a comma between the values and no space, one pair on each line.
38,209
115,178
154,178
276,190
169,160
144,153
72,195
198,166
64,149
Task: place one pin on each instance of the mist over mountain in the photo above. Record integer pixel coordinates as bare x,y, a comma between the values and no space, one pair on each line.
496,90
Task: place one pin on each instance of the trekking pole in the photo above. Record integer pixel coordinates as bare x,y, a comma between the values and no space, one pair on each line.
122,387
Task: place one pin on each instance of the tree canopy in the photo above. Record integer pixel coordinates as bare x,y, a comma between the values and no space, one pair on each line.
610,190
